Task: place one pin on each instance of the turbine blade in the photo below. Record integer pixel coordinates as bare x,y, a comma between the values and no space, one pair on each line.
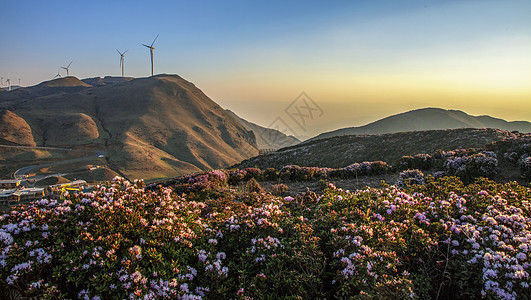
154,40
146,45
125,51
70,64
118,51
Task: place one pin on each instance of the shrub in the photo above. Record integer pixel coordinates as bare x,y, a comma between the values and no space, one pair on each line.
470,167
252,186
270,174
438,240
199,186
410,177
364,168
525,166
236,176
253,173
419,161
379,168
296,173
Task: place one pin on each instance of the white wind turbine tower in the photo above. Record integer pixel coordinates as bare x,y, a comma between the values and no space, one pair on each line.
151,48
9,84
19,84
122,55
67,68
2,83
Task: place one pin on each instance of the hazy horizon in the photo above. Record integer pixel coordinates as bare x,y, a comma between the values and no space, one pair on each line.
358,62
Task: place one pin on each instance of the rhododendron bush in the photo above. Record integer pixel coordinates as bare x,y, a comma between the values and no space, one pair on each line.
441,239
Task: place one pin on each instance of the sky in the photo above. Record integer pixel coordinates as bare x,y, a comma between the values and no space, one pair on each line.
340,63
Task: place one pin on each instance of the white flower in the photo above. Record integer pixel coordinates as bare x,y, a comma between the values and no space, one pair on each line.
221,255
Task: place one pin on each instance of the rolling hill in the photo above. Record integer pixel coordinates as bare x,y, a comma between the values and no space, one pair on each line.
152,127
341,151
266,138
429,119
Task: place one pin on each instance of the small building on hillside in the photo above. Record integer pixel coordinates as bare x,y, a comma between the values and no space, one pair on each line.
9,184
17,196
30,194
7,196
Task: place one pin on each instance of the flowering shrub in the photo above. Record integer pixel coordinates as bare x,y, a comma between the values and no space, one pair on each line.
469,167
525,166
438,240
360,169
200,182
253,186
296,173
443,240
238,176
410,177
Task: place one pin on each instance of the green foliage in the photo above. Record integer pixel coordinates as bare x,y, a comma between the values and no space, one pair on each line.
418,161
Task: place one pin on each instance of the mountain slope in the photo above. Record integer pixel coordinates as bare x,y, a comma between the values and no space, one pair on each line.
429,119
152,127
266,138
14,130
341,151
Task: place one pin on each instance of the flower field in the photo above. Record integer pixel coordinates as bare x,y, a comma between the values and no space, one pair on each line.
203,238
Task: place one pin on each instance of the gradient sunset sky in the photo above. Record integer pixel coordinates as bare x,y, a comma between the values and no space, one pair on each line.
358,60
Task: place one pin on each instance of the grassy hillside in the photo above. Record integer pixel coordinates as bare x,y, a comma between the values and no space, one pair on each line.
154,127
341,151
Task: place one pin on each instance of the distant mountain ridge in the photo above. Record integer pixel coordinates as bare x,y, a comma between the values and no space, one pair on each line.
155,127
429,119
266,138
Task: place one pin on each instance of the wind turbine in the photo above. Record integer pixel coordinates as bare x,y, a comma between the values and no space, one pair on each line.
67,69
122,60
58,74
2,83
19,84
9,84
151,48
